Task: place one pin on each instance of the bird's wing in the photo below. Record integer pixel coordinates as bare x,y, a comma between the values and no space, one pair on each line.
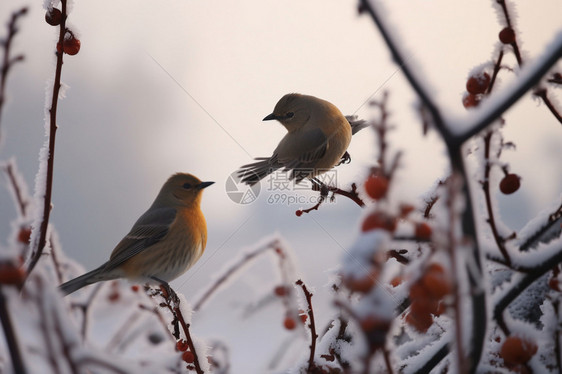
149,229
254,172
306,150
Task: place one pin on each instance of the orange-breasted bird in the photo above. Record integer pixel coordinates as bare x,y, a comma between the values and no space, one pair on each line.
164,242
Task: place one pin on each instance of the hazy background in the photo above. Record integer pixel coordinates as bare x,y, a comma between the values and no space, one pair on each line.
173,86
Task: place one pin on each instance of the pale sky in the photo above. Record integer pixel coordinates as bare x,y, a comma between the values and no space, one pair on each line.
182,85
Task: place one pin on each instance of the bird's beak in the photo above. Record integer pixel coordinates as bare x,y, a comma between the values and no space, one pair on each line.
270,117
204,185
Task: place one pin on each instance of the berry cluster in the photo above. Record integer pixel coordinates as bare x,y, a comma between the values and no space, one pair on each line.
426,296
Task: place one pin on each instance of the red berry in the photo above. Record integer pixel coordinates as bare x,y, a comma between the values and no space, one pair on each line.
280,291
363,284
11,274
298,213
53,17
24,235
406,209
113,297
478,83
435,281
181,345
289,323
510,183
376,186
507,35
303,316
396,281
420,321
516,350
135,288
188,357
423,231
379,220
554,284
471,101
71,45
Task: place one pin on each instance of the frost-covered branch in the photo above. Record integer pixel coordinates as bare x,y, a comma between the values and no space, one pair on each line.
45,190
274,245
528,78
530,276
312,324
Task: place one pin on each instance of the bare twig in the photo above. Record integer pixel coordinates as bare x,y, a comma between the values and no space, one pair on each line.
11,338
7,61
497,67
542,93
21,200
84,307
500,241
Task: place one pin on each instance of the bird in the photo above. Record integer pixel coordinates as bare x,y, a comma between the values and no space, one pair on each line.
162,244
317,138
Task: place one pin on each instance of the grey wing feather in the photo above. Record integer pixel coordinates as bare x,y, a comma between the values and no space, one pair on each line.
356,124
149,229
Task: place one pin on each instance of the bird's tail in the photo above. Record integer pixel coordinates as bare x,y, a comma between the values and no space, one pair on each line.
253,173
90,277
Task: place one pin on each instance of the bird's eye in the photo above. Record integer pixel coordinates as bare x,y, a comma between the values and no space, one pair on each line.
289,115
186,186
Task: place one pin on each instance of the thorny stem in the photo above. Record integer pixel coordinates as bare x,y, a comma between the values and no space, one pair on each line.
38,249
312,324
8,62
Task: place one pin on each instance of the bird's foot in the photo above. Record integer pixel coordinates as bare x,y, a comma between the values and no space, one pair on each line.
345,159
